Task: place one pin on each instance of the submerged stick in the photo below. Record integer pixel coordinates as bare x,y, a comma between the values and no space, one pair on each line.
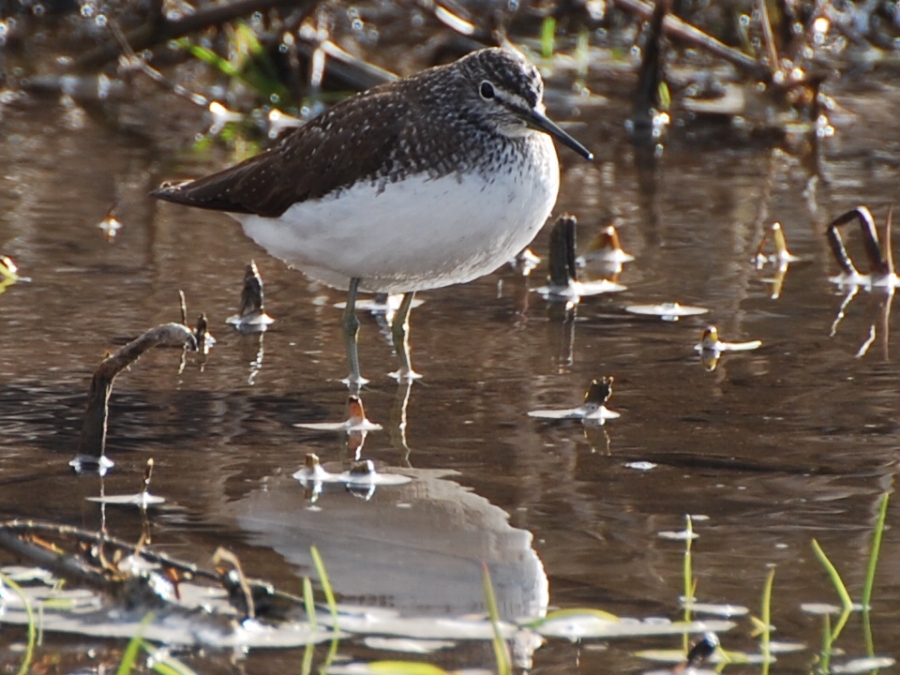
11,532
93,431
646,98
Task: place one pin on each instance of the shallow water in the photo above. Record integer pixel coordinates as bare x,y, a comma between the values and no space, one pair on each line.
773,448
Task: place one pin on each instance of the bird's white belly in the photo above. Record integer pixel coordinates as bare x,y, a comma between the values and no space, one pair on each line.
417,233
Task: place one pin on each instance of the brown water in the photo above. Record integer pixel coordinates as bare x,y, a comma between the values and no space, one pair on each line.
776,447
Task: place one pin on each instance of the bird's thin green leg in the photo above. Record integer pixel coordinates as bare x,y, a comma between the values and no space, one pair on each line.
351,332
400,335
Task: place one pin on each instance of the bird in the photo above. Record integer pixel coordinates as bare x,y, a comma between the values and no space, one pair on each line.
419,183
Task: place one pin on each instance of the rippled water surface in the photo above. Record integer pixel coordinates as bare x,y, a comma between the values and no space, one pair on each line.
773,448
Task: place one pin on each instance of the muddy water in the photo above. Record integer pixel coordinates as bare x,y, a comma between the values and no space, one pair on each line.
771,449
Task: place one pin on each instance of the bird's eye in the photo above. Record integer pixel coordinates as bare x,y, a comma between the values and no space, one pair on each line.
486,90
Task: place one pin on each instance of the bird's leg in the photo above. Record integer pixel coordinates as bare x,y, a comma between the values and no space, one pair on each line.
400,335
351,331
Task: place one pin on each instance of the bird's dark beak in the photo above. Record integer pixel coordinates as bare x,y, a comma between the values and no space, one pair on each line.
539,121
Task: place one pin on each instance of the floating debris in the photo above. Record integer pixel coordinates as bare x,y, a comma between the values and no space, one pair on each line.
90,464
9,273
606,247
356,420
780,259
110,224
526,261
862,665
142,499
880,259
709,342
363,473
221,117
707,648
312,471
592,411
92,444
202,336
823,608
667,311
585,624
251,317
702,649
562,279
8,269
715,609
280,121
678,535
711,348
361,476
111,585
781,255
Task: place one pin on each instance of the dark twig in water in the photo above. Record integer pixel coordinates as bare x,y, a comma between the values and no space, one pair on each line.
49,556
768,36
93,431
224,555
345,67
132,60
599,392
675,28
646,101
92,558
878,264
562,270
251,317
201,334
252,294
161,31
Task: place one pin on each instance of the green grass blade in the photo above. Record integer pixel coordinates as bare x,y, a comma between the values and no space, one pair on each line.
29,612
209,57
306,667
134,646
500,651
870,573
548,30
825,658
766,616
842,621
309,602
254,48
836,580
326,585
873,553
690,585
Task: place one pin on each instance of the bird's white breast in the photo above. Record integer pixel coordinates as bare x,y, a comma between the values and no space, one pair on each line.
420,232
